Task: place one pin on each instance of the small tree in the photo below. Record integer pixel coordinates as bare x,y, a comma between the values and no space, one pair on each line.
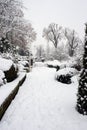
82,89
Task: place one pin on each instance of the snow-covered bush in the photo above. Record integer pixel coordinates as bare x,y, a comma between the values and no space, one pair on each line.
11,74
23,66
39,64
64,75
53,64
9,68
24,63
57,64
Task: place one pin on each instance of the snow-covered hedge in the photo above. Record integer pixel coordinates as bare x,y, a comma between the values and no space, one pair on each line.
9,69
39,64
11,74
53,64
5,64
64,75
57,64
23,65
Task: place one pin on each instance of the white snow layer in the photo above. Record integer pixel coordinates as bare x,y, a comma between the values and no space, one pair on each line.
54,63
67,70
2,76
6,89
5,64
44,104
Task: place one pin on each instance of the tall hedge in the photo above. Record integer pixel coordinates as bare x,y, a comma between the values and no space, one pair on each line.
82,89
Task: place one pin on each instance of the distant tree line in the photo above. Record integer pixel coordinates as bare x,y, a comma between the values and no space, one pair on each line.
55,33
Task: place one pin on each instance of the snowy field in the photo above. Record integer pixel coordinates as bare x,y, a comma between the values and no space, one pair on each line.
44,104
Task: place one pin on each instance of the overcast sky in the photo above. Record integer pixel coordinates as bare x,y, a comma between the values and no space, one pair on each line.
68,13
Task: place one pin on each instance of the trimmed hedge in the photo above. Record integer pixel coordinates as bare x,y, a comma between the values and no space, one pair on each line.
9,99
11,74
65,75
52,66
64,79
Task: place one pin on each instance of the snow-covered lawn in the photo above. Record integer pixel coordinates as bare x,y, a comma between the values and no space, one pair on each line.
44,104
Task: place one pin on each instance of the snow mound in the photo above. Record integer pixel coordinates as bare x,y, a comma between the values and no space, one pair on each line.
67,70
65,75
5,64
56,63
23,66
39,64
2,76
53,63
24,63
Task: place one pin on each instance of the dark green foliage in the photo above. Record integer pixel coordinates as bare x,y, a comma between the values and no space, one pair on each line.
82,89
50,66
64,78
11,74
53,66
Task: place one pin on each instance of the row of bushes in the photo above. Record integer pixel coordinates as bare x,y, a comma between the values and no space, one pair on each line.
65,71
9,69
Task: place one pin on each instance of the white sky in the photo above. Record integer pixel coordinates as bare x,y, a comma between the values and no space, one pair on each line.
68,13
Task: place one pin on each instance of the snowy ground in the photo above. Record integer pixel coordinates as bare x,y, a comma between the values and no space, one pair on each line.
6,89
44,104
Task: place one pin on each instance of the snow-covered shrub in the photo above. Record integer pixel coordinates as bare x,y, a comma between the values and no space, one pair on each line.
39,64
11,74
24,66
9,68
64,75
24,63
57,64
53,64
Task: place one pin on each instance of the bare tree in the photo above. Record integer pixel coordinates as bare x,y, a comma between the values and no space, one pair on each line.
53,33
73,40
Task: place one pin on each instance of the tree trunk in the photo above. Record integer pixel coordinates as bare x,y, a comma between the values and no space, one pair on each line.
71,52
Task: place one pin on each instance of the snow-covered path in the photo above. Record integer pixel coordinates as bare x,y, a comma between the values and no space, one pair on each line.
44,104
